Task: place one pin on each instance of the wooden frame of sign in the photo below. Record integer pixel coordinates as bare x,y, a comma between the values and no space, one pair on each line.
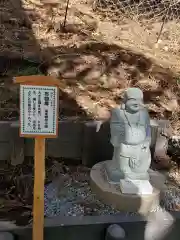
38,120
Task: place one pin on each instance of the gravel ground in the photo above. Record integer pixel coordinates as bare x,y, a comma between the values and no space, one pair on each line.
70,195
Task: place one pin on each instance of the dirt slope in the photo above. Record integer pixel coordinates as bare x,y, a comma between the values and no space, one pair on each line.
94,57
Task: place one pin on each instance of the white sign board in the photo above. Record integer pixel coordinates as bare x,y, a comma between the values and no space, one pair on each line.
38,110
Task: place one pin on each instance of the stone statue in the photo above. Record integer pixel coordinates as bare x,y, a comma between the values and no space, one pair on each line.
131,138
126,182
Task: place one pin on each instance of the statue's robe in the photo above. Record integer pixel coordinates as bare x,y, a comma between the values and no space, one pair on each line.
130,137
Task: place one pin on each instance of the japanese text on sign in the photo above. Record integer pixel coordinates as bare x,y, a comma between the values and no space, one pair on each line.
38,110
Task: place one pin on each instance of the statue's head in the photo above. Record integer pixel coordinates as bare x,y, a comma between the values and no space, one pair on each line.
133,100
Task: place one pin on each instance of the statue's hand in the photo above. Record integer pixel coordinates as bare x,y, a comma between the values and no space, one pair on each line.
133,162
147,143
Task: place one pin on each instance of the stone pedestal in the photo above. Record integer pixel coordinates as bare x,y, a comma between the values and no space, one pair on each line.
111,194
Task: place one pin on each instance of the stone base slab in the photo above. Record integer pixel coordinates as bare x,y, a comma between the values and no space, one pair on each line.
140,187
111,193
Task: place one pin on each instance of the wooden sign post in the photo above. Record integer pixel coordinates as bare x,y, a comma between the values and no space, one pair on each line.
39,120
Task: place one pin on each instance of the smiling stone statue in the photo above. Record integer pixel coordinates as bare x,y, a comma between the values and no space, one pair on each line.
130,137
126,182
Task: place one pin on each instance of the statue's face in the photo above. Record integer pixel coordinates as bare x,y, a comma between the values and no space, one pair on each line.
133,105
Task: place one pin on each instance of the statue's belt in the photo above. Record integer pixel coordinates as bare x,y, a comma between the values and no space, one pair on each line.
134,157
134,147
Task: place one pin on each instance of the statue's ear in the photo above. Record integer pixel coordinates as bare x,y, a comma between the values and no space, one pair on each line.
123,106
